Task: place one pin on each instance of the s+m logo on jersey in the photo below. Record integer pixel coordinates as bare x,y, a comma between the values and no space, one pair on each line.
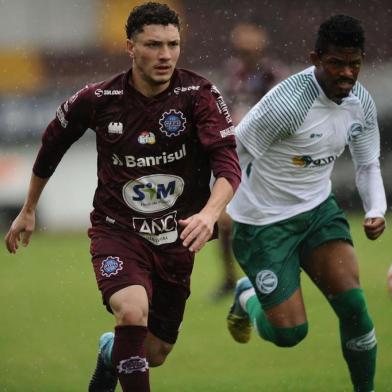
153,193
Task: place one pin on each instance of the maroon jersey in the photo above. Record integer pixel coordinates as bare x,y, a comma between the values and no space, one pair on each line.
155,155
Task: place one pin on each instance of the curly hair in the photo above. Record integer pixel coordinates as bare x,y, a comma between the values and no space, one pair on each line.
150,13
342,31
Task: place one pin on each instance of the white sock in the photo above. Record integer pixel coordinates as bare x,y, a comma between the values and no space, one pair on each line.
244,296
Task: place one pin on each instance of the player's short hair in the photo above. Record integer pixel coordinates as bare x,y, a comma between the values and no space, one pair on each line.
342,31
150,13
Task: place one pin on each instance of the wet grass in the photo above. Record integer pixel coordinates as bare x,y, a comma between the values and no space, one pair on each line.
51,317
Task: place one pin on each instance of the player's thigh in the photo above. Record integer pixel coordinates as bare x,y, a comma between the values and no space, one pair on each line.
119,264
170,291
333,267
269,255
328,255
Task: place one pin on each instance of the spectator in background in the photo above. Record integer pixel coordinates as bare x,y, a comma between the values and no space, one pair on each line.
249,74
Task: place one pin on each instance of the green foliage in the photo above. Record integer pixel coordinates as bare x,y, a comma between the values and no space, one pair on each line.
51,318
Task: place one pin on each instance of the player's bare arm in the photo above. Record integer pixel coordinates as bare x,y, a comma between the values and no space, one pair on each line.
24,224
198,228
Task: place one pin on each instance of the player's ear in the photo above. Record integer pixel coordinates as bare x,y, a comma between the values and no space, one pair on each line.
314,59
130,47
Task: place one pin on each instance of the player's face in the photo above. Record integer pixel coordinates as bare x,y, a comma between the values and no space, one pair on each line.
155,53
337,70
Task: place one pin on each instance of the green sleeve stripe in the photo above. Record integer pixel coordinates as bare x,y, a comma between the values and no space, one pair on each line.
365,148
279,114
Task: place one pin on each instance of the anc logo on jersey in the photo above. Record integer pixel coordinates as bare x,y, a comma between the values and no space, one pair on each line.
308,161
159,230
172,123
111,266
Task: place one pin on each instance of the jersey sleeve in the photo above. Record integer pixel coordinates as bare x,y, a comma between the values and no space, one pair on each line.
371,189
215,132
264,124
364,141
73,117
277,115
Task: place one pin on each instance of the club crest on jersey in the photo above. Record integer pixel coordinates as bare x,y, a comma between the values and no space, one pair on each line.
172,123
354,131
111,266
266,281
146,137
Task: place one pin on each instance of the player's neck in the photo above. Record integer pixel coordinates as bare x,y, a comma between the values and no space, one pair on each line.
145,87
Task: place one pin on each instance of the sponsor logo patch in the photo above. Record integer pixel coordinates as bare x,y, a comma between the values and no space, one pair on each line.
115,128
308,161
75,96
227,132
221,105
99,92
146,137
153,193
61,117
172,123
158,231
215,90
363,343
179,90
132,364
316,135
266,281
111,266
153,160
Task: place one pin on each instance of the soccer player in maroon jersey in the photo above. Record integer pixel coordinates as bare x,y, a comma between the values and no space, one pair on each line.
160,133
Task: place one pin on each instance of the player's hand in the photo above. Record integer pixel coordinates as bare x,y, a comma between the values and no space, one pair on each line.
374,227
197,230
23,226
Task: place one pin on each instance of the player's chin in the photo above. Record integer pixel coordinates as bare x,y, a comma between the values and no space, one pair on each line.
340,94
343,92
161,80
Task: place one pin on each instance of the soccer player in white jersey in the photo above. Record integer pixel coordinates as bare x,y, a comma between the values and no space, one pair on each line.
285,216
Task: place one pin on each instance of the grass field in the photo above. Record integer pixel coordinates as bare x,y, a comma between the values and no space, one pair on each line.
51,317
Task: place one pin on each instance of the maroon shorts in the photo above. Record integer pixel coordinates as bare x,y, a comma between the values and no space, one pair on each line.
122,258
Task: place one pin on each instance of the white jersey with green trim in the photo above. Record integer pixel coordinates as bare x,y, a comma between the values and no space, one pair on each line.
294,135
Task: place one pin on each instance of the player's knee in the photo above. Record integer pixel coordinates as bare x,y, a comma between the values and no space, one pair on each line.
289,337
129,314
158,356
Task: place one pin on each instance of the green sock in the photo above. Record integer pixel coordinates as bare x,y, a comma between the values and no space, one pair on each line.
282,337
358,338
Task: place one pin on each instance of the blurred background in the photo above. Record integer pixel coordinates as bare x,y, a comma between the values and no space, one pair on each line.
51,48
51,313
